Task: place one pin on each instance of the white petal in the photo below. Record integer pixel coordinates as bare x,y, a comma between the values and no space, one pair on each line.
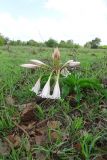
29,65
36,87
46,90
56,91
37,62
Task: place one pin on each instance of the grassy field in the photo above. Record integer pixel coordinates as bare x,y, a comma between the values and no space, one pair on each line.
73,128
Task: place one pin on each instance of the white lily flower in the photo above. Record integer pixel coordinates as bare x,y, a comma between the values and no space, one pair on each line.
37,62
56,69
46,90
74,64
56,91
36,87
29,65
65,72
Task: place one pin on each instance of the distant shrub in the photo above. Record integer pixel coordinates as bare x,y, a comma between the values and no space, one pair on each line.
32,43
93,44
103,47
68,44
2,40
87,45
51,43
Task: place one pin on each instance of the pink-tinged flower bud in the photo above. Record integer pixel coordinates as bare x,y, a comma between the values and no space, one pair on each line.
37,62
29,65
56,54
74,64
71,63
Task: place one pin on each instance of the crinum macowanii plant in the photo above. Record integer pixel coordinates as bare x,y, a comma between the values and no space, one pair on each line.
56,69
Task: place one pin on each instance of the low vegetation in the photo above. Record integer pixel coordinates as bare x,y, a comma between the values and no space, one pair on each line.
73,127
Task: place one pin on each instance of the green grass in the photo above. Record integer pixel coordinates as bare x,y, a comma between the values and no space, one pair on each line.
82,111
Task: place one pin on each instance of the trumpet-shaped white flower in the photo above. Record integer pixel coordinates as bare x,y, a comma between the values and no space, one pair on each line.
37,62
56,91
29,65
46,90
36,87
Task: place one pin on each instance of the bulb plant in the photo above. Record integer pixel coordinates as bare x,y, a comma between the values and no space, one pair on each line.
55,70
